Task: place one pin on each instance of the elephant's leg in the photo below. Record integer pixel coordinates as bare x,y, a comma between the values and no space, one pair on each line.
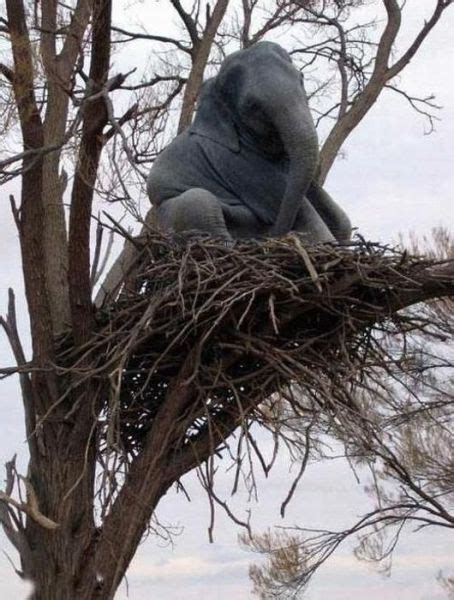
241,222
196,210
310,225
332,214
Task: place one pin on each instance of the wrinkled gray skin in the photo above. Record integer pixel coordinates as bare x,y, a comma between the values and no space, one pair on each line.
246,166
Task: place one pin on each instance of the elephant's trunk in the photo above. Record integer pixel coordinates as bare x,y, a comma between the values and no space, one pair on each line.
300,141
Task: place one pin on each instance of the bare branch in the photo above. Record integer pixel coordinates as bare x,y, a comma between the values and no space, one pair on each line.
134,35
30,508
188,21
406,57
7,72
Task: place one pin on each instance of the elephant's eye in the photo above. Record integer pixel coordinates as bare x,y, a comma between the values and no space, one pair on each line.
251,106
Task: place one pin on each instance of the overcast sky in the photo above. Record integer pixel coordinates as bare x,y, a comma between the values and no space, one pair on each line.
393,179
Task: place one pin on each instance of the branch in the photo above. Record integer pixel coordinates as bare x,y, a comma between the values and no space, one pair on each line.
31,210
134,35
11,522
73,44
418,103
283,13
31,158
48,35
436,282
95,118
10,327
387,39
201,53
143,487
60,82
30,507
403,61
4,25
7,72
188,22
23,82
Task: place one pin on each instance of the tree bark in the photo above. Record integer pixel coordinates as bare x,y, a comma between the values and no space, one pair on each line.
61,468
95,119
200,54
59,70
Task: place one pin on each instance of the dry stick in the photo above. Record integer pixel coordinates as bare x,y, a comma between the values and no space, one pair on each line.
301,471
10,327
31,507
11,520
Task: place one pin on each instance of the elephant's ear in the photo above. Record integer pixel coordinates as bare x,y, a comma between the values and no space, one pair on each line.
213,119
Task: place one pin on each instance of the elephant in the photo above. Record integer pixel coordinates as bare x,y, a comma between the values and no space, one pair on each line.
246,167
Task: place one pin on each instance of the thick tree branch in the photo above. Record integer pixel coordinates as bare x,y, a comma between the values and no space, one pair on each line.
145,484
29,116
73,44
201,52
94,120
32,213
387,39
59,71
48,32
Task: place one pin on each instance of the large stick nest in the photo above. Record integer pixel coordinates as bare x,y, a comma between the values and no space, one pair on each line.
239,324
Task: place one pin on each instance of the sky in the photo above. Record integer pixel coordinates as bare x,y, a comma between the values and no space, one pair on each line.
392,178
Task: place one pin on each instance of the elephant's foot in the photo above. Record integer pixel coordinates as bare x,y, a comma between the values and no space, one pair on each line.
311,226
332,214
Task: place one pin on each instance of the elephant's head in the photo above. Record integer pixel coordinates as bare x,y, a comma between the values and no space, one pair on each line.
258,93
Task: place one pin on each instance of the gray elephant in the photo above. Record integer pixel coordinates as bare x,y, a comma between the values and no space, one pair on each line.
246,166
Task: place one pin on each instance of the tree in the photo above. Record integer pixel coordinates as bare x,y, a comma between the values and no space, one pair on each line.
106,392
